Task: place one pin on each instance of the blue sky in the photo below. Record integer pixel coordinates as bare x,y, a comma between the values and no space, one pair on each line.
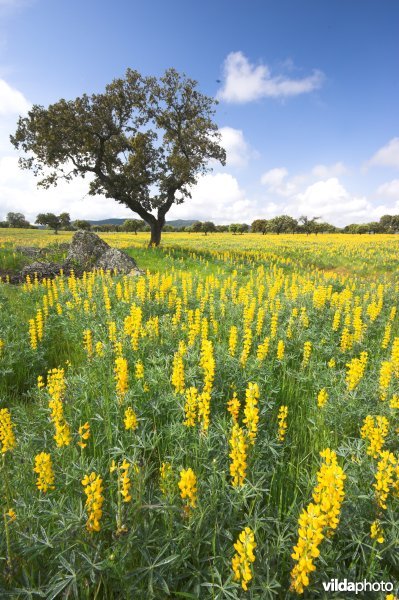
308,93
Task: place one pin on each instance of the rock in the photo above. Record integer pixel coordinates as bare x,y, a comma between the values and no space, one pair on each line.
31,251
116,259
85,250
42,269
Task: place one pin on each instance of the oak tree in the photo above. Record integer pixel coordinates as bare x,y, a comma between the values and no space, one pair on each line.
143,141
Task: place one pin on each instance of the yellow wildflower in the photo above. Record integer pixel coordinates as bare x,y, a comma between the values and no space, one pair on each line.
94,500
188,488
44,469
7,437
244,557
238,455
130,419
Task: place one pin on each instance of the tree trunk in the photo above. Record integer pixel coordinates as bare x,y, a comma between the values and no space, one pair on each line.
156,231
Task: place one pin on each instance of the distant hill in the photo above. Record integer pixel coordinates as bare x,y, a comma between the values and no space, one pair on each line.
179,223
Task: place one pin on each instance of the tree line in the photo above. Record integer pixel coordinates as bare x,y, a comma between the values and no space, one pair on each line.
276,225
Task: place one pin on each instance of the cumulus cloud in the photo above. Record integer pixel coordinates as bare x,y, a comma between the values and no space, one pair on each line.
325,171
18,193
245,82
387,156
389,189
237,149
216,197
276,182
12,102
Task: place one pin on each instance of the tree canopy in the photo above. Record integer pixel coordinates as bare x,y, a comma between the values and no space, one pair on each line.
143,141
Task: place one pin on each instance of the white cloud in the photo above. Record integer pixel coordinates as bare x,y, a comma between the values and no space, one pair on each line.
12,102
18,193
387,156
276,182
245,82
216,197
389,189
331,201
326,171
237,149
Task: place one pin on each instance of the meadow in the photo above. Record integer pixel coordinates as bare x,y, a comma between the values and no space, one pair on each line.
224,426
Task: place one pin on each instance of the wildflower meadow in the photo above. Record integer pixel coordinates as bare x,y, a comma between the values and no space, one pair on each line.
224,426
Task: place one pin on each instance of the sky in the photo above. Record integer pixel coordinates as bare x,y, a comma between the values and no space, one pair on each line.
308,95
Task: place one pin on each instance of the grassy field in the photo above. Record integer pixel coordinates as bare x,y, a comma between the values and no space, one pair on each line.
225,426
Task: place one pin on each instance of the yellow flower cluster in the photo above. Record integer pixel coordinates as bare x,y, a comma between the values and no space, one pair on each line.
280,350
56,387
384,477
139,370
124,482
251,410
177,378
355,372
2,344
233,406
207,363
45,474
238,455
33,334
307,350
385,378
84,434
121,377
376,532
7,437
319,515
94,500
191,407
244,557
130,419
375,430
233,336
188,488
282,422
263,349
395,356
88,342
166,473
322,398
246,348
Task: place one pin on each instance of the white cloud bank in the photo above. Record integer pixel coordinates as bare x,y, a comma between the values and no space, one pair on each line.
238,151
245,82
387,156
12,102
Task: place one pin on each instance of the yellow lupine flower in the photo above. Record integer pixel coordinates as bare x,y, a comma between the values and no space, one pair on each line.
355,371
322,398
233,336
251,411
139,370
238,455
93,489
280,350
376,532
244,557
88,342
84,434
7,437
130,419
165,472
282,422
386,371
121,376
188,488
45,474
375,430
177,377
191,407
233,406
307,350
384,477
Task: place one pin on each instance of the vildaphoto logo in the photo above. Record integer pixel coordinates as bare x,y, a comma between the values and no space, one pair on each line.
336,585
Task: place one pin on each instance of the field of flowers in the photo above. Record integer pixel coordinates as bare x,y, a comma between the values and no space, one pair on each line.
225,426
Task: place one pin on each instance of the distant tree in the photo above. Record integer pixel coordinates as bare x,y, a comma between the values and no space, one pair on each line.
208,227
65,220
169,228
82,224
238,228
144,141
222,228
375,227
17,220
260,226
233,228
49,220
4,224
308,225
283,224
389,223
196,227
134,225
